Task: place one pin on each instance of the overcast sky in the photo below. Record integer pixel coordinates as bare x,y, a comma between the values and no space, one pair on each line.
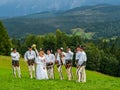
22,7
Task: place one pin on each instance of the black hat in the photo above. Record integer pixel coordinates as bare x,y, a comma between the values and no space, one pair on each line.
49,50
82,47
14,49
29,47
78,46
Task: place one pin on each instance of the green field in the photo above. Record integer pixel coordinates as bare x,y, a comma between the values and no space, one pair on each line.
95,80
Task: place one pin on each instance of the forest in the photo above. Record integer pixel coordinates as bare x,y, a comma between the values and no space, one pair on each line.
103,20
103,53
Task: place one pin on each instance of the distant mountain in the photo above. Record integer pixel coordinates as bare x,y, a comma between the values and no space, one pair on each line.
101,19
11,8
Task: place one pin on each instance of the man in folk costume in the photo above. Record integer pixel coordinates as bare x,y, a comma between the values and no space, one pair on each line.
68,63
30,56
15,62
58,62
50,60
81,64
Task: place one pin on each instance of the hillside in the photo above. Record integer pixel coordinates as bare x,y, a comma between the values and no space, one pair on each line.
99,19
95,80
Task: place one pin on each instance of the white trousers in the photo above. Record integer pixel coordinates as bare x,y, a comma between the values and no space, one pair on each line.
81,74
16,70
60,72
50,71
31,69
69,73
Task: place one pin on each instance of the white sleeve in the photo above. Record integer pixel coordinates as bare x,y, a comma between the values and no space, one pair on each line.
37,61
85,57
80,56
25,56
37,52
11,54
34,54
76,56
64,54
71,54
53,57
18,55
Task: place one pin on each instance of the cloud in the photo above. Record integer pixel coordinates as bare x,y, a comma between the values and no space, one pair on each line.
2,2
77,3
32,6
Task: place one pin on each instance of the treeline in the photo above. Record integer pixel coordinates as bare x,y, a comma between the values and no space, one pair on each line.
103,54
104,57
50,40
23,27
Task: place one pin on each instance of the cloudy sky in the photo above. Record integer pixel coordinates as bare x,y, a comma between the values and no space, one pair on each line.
23,7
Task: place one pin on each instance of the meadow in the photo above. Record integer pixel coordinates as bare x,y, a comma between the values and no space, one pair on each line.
95,80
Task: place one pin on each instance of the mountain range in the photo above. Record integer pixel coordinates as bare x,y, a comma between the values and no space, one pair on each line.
11,8
103,20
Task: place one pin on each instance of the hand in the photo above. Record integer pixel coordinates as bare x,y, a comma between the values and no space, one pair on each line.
44,60
43,67
77,66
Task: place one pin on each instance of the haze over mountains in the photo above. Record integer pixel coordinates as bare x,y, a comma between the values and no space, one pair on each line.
11,8
103,20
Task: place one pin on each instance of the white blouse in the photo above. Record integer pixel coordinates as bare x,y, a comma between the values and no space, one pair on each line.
15,56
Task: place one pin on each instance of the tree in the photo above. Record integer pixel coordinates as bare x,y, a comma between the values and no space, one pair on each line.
61,38
109,64
94,57
49,42
30,40
16,44
5,42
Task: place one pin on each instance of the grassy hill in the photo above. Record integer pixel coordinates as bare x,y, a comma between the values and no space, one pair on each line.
102,19
95,80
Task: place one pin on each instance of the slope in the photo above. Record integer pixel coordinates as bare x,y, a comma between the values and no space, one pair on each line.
95,80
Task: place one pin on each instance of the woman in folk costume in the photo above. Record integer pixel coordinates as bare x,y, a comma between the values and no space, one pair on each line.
41,71
15,62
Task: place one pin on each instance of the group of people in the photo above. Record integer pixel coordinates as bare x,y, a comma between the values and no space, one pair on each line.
41,65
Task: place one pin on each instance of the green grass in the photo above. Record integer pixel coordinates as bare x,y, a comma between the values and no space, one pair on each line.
95,80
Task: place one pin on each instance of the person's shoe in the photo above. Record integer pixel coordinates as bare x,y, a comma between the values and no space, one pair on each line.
77,81
19,76
61,78
83,81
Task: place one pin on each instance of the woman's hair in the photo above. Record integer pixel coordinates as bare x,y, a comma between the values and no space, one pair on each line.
41,52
